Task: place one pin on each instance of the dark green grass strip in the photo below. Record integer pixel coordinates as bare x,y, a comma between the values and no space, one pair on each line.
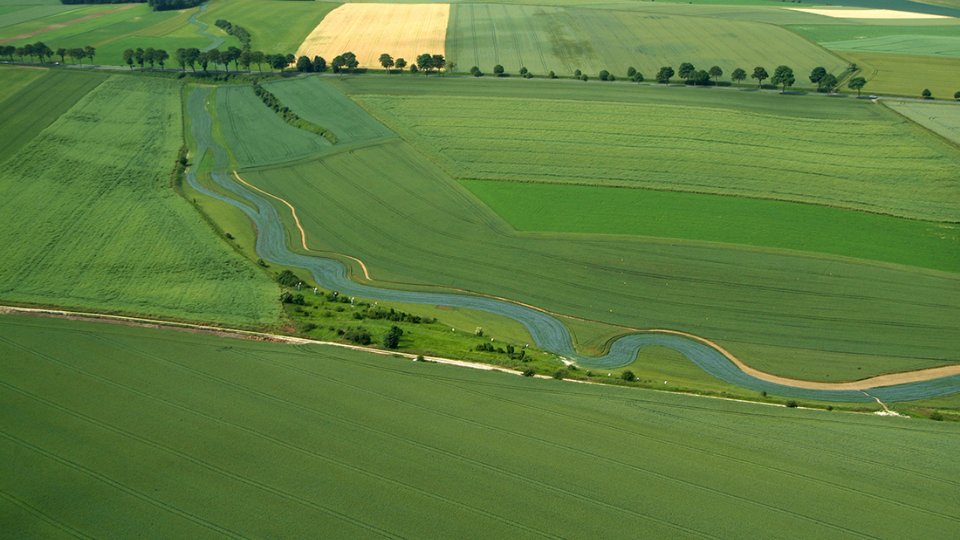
715,218
39,104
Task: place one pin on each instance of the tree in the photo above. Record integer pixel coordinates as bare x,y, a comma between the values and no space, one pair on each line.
138,56
204,60
715,72
90,52
386,61
77,54
161,57
663,76
438,62
604,75
215,57
783,76
413,68
498,70
760,75
524,71
150,55
128,56
350,61
62,53
828,83
400,63
577,73
20,52
277,61
637,77
232,54
319,64
956,95
304,65
700,77
686,71
926,94
337,63
628,375
258,58
42,51
180,55
425,62
738,75
817,75
193,56
392,339
631,71
246,58
857,83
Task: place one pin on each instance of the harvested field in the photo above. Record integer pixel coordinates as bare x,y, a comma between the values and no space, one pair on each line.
369,30
869,14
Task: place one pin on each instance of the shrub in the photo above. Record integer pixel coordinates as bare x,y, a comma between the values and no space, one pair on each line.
604,75
584,78
792,404
529,372
553,75
926,94
358,335
286,298
628,376
498,70
392,339
956,95
631,71
560,374
524,71
936,416
576,74
288,279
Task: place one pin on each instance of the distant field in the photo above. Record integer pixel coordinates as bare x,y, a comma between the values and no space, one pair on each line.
202,436
941,118
112,28
561,39
909,75
88,218
274,25
694,216
915,40
256,135
860,160
36,99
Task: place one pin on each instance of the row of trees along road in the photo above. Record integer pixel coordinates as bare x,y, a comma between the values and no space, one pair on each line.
783,76
194,57
42,53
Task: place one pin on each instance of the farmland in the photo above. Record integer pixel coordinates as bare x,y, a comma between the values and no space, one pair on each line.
860,162
95,225
179,444
915,40
909,74
734,220
942,119
563,39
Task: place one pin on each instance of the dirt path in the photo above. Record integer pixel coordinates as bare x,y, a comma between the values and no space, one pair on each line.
58,26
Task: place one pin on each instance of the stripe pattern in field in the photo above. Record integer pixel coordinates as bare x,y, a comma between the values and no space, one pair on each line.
369,30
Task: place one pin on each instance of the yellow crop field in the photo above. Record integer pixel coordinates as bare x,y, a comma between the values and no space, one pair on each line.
369,30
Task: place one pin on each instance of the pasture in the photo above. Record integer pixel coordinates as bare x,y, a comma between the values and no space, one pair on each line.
861,160
941,118
369,30
914,40
358,445
89,219
564,39
908,75
274,25
733,220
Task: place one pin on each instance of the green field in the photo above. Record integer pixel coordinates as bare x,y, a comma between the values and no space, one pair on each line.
563,39
100,417
29,108
256,135
864,159
941,118
89,218
915,40
274,25
734,220
908,75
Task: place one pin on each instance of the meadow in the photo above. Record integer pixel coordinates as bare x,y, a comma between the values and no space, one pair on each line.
861,159
274,25
914,39
563,39
941,118
90,219
375,446
713,218
908,75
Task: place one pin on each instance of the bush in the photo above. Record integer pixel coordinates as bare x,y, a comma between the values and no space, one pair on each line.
286,298
936,416
637,77
926,94
392,339
529,372
498,70
420,358
560,374
584,78
523,71
631,71
553,75
576,74
288,279
628,376
358,335
956,95
604,75
793,404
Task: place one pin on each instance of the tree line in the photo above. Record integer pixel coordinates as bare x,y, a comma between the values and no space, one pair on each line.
42,53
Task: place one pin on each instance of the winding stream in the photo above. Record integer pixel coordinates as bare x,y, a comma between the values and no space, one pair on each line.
547,332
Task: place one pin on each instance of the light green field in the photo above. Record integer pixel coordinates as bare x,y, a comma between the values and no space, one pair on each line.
111,28
256,135
274,25
941,118
865,158
89,219
915,40
734,220
565,39
34,102
908,75
202,436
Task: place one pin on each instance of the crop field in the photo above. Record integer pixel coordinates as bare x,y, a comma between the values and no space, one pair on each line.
563,39
734,220
369,30
274,25
113,28
914,40
256,135
907,74
941,118
89,219
411,224
862,163
122,417
33,103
